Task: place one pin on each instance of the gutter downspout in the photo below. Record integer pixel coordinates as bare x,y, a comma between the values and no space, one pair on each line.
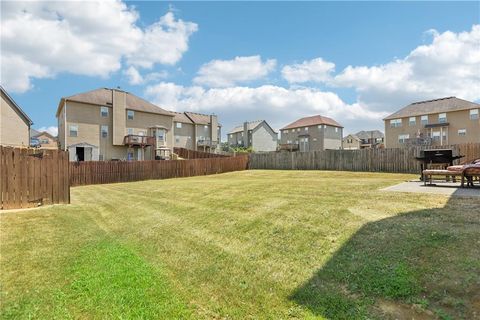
65,121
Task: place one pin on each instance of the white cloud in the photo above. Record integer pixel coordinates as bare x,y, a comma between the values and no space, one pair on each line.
225,73
135,78
277,105
315,70
449,66
52,130
85,38
163,42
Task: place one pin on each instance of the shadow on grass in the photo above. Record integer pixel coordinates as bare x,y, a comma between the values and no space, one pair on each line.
423,264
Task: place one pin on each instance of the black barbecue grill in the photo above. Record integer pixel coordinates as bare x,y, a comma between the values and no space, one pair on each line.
436,156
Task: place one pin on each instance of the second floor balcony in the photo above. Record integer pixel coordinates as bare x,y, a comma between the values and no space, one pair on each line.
289,146
206,143
134,140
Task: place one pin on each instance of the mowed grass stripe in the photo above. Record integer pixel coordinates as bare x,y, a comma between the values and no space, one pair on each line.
262,244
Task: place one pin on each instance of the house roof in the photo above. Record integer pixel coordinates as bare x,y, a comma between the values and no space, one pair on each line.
447,104
199,118
182,117
250,126
370,134
312,121
17,108
104,97
34,133
352,136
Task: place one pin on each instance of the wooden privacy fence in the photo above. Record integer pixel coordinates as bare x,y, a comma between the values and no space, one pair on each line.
192,154
398,160
29,178
97,172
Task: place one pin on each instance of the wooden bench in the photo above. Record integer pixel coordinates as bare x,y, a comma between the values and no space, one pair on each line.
429,173
467,174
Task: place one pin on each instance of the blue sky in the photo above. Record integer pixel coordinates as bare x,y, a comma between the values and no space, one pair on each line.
353,61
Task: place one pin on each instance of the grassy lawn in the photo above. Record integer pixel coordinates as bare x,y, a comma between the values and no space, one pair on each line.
252,244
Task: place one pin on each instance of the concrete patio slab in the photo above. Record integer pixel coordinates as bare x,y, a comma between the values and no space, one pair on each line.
445,188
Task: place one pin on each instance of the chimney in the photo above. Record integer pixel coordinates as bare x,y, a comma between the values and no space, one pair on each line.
245,134
119,103
213,128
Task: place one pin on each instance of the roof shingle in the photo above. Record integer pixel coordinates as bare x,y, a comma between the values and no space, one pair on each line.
103,96
441,105
312,121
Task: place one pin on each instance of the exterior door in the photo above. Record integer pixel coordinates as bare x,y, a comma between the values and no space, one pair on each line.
304,144
139,154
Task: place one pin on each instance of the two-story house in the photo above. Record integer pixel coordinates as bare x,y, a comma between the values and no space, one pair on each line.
313,133
196,131
364,140
14,123
258,135
438,122
42,139
111,124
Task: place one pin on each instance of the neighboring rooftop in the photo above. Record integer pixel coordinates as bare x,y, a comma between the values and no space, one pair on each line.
35,133
250,126
17,108
182,117
104,96
312,121
199,118
369,134
441,105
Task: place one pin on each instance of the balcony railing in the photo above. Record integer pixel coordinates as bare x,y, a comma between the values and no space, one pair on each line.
206,143
289,146
137,140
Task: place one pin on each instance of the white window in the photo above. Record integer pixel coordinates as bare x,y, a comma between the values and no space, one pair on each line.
314,139
473,114
402,138
242,133
104,111
462,132
306,129
179,125
424,119
205,127
395,123
129,131
130,114
289,141
319,126
104,131
412,121
298,130
336,129
442,118
285,131
73,130
177,139
436,135
240,142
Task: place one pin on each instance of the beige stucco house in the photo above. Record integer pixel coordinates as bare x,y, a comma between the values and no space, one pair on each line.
197,131
14,123
439,122
313,133
112,124
370,139
43,140
257,135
